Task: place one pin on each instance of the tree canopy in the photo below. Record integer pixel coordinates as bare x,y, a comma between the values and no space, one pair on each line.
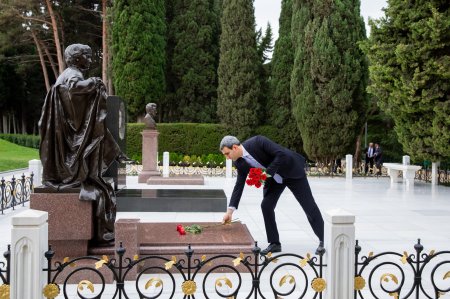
238,72
329,76
409,52
139,41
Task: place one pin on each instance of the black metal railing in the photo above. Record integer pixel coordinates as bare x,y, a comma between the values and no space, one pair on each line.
387,274
425,174
15,191
5,267
5,271
286,274
331,170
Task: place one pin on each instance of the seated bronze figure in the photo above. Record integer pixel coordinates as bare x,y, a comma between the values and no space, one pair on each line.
76,147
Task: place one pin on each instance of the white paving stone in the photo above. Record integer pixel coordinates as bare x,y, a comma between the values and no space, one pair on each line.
388,217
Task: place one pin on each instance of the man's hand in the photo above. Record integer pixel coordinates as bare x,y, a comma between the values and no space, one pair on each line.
227,217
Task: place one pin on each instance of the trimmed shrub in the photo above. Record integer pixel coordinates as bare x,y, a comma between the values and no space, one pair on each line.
21,139
185,138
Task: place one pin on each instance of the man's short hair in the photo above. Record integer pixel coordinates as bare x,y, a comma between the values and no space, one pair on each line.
229,141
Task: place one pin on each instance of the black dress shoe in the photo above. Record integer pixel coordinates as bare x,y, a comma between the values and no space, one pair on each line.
320,249
271,248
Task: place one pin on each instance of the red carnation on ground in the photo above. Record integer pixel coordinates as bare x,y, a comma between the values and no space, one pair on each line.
257,177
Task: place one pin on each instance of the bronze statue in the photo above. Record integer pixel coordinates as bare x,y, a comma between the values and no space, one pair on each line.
76,147
149,118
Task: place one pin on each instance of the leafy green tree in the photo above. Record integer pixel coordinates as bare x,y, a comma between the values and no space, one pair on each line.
239,87
329,76
409,52
138,35
193,68
279,103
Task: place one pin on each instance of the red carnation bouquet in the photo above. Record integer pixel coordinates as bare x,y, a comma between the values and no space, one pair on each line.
257,177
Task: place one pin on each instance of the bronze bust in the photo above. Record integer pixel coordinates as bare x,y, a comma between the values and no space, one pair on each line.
76,147
149,118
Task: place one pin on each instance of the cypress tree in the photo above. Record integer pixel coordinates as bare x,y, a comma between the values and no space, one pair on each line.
138,34
238,90
409,52
194,60
279,104
264,47
329,76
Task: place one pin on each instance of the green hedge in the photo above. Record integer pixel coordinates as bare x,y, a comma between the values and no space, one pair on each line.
23,140
182,138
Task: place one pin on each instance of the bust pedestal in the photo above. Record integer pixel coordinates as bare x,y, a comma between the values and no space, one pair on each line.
149,155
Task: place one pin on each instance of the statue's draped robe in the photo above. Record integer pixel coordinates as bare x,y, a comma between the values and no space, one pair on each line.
76,146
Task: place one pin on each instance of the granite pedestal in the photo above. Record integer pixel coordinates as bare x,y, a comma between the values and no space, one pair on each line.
171,200
70,225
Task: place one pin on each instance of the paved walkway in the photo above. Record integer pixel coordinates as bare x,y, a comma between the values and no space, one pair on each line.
388,217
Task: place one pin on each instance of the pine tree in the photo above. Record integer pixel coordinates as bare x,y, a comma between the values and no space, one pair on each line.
138,34
409,52
329,76
238,90
194,60
279,103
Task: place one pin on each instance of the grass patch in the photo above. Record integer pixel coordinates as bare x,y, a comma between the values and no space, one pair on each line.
13,156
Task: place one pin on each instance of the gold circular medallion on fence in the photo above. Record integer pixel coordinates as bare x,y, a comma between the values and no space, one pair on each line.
188,287
360,283
4,291
51,291
318,284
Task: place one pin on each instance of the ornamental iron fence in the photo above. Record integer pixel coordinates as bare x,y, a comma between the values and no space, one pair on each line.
425,174
383,275
387,274
5,271
15,191
312,169
286,274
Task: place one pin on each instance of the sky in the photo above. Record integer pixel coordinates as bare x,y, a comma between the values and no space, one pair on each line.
269,11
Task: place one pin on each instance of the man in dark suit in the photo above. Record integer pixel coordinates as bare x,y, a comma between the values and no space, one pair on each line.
370,151
378,157
286,169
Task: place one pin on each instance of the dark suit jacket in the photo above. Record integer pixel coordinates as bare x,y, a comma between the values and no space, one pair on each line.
274,157
378,155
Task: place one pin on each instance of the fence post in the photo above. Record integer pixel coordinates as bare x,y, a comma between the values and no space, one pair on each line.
229,169
166,170
29,241
340,246
35,167
406,160
434,173
348,167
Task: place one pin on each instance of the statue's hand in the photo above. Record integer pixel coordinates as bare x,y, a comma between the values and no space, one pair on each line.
122,158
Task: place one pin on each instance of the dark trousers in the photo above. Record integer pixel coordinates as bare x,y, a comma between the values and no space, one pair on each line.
302,192
369,161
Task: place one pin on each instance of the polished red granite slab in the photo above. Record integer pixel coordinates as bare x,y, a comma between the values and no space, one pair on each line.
70,224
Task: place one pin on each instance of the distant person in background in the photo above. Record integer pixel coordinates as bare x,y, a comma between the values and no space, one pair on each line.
370,152
337,168
378,157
